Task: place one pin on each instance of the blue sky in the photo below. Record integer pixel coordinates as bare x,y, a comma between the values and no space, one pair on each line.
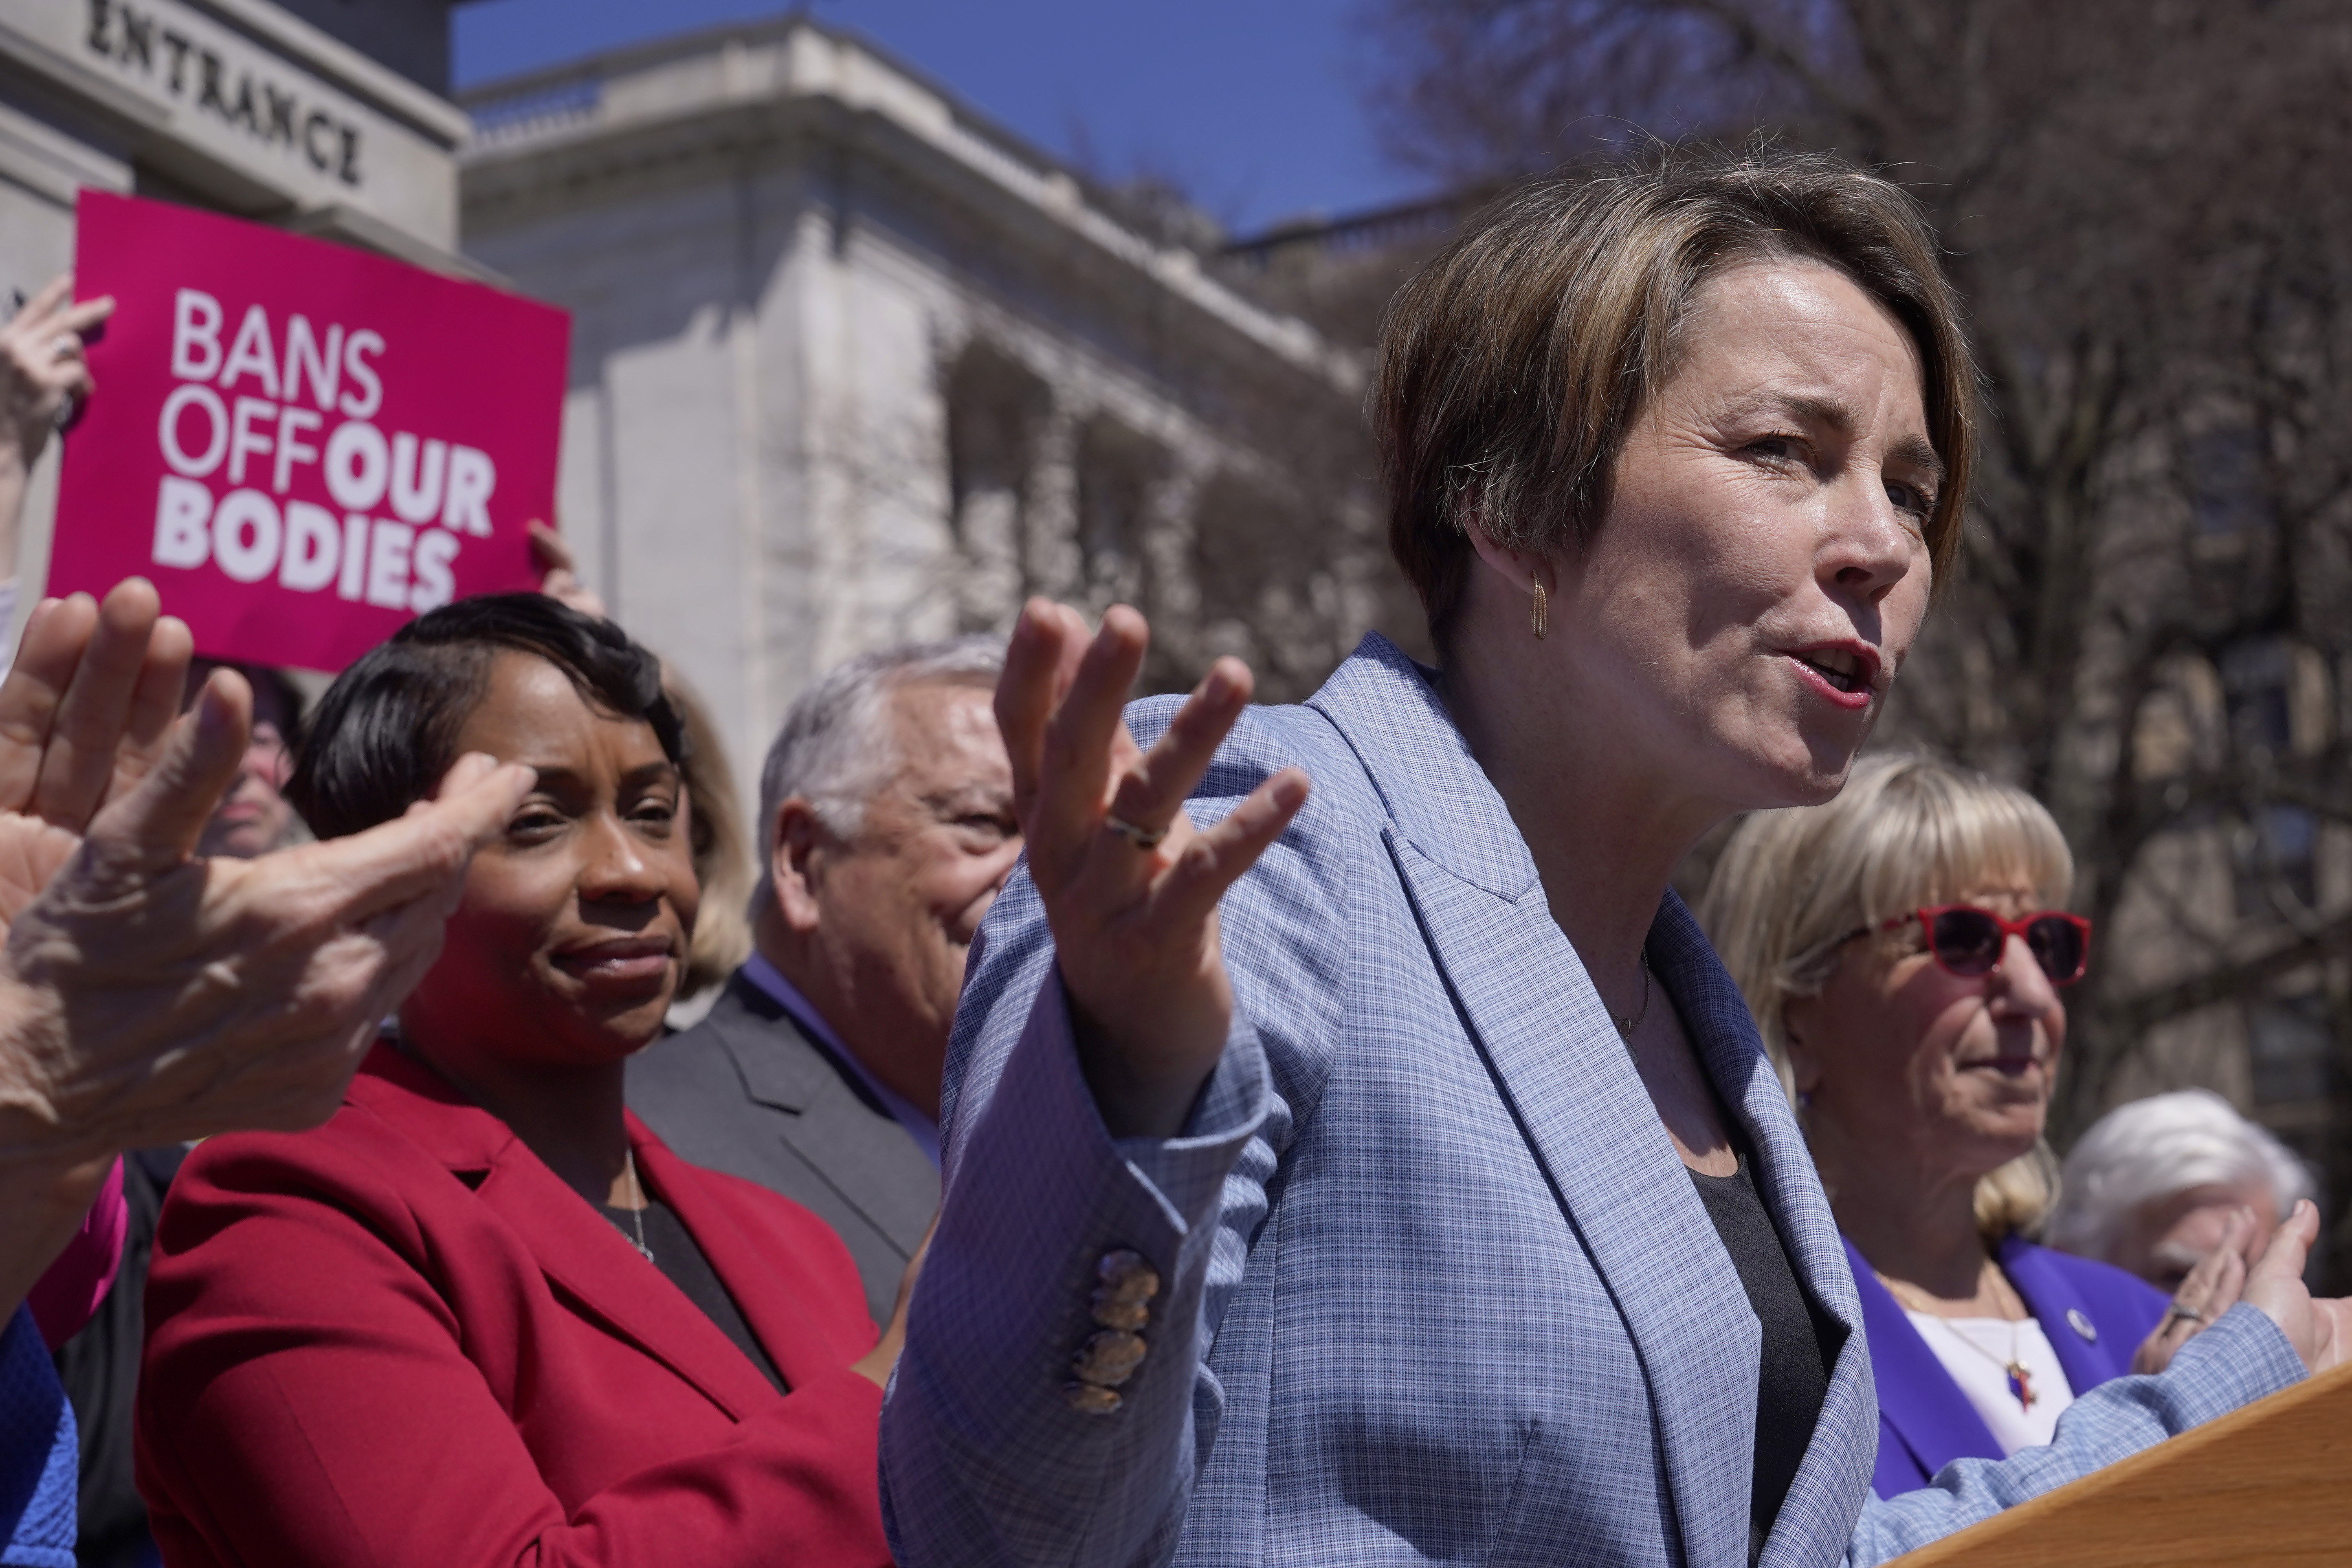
1250,105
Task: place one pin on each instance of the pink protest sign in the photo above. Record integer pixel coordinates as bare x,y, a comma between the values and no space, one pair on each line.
302,444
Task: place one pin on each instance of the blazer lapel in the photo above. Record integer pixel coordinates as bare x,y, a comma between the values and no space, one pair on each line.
748,1019
2050,1296
1916,1394
824,1118
763,1282
1816,1519
579,1250
1562,1070
1559,1066
1725,1036
1558,1062
585,1257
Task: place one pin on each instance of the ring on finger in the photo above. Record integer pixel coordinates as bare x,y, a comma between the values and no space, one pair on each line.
66,345
1141,838
2180,1311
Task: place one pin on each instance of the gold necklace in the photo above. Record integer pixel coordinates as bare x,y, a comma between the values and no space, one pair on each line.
2021,1376
1625,1027
637,1214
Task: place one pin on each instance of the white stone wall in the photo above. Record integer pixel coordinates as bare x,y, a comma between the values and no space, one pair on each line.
774,250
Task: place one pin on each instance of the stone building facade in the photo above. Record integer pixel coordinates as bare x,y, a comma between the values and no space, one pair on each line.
850,365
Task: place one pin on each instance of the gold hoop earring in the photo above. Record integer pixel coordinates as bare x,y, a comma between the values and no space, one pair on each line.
1540,617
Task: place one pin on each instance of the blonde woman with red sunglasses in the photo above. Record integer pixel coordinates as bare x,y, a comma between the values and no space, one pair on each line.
1906,952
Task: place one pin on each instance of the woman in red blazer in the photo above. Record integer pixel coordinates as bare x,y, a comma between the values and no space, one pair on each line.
483,1316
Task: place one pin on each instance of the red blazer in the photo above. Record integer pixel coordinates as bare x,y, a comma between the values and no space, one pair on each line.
399,1339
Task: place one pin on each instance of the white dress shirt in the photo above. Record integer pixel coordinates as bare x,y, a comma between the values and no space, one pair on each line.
1977,1352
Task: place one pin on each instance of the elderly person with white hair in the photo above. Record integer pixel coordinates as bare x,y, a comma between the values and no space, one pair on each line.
2153,1186
1904,952
885,829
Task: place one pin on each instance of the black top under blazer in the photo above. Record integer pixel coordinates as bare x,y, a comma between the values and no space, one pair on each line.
747,1091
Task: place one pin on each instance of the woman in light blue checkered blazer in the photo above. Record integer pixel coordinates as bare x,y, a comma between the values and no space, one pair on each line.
1390,1174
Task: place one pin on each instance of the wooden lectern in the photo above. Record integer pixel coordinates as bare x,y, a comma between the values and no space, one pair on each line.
2270,1484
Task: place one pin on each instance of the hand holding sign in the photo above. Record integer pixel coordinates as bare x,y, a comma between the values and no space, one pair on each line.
41,374
560,573
41,365
304,445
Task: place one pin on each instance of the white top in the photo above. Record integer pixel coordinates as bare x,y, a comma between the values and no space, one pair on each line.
1977,1352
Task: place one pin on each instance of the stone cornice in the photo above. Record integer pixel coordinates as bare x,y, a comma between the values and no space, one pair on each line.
335,61
733,92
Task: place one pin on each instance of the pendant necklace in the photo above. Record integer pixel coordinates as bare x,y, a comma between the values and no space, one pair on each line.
1625,1027
637,1214
2020,1375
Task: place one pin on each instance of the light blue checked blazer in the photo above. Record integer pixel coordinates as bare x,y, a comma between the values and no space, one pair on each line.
1436,1286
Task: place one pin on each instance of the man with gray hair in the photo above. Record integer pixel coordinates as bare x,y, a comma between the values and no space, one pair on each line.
2151,1186
885,829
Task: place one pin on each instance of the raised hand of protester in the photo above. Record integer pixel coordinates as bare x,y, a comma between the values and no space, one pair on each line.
146,996
41,372
2320,1328
1130,887
558,571
2212,1287
41,365
84,712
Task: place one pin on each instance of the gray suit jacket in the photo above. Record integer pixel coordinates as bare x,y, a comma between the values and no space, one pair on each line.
746,1092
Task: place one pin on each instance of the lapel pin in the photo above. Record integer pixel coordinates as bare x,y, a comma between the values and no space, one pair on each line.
2081,1325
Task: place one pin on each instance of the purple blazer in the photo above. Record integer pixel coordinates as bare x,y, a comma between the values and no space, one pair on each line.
2093,1314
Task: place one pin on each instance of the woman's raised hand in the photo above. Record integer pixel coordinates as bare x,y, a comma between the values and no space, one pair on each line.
558,571
2320,1328
2212,1287
41,366
147,995
1130,887
87,706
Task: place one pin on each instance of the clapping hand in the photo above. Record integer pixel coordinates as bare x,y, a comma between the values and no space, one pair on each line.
147,995
84,715
2319,1327
2212,1287
1130,887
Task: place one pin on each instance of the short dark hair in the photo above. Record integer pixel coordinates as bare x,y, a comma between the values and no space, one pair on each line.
387,728
1514,364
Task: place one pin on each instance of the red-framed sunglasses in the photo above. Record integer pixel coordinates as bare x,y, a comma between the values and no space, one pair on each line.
1968,941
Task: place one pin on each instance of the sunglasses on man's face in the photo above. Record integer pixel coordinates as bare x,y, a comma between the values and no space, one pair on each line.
1969,941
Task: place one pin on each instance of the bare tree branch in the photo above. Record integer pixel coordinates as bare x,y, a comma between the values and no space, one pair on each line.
2244,976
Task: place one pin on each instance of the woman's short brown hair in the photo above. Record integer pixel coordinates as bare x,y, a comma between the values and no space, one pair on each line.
1514,363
